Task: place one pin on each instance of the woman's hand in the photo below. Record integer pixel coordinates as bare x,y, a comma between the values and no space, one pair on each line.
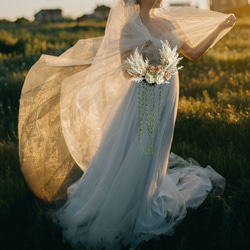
146,44
194,53
229,22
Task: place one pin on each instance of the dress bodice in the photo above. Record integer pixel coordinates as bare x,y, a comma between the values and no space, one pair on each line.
164,32
152,52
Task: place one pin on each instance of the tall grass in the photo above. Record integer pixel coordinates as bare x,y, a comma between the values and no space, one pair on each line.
212,127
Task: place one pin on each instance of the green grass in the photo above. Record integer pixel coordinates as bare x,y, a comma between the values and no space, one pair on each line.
212,127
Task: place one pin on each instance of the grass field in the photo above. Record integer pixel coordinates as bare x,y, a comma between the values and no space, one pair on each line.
213,127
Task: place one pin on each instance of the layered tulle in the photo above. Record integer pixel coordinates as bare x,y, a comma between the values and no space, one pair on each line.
126,196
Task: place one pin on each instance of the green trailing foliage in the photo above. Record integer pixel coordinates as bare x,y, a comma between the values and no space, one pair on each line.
149,115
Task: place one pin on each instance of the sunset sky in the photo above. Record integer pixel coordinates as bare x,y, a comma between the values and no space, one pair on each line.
13,9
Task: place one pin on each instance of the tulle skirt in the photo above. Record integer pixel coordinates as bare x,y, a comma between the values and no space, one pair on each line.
134,190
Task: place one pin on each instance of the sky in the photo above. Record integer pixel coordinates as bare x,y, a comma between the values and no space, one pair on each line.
13,9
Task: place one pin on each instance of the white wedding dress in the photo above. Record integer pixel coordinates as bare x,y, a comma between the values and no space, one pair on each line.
80,109
125,195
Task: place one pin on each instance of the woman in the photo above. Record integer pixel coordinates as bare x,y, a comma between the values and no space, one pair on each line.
83,108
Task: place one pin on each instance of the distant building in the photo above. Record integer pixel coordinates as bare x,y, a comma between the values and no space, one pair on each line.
102,12
180,4
226,5
4,21
47,15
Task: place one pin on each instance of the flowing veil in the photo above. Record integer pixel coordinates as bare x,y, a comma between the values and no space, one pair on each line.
68,102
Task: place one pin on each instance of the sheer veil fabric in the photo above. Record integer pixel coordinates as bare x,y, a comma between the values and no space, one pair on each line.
79,111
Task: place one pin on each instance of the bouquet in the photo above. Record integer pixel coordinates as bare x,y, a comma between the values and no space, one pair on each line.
140,69
147,76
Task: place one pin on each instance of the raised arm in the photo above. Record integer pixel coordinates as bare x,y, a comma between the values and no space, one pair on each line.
195,53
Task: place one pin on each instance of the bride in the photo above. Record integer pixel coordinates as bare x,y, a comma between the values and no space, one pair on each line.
82,111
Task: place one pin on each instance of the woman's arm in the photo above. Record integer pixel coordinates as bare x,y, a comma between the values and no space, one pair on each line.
194,53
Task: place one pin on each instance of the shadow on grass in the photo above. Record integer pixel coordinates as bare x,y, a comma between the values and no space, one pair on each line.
26,226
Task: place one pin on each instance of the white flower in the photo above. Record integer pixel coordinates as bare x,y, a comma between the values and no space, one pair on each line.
169,57
149,78
160,78
135,64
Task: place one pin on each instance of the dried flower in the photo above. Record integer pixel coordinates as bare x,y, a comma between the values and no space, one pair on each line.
159,68
152,69
168,75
